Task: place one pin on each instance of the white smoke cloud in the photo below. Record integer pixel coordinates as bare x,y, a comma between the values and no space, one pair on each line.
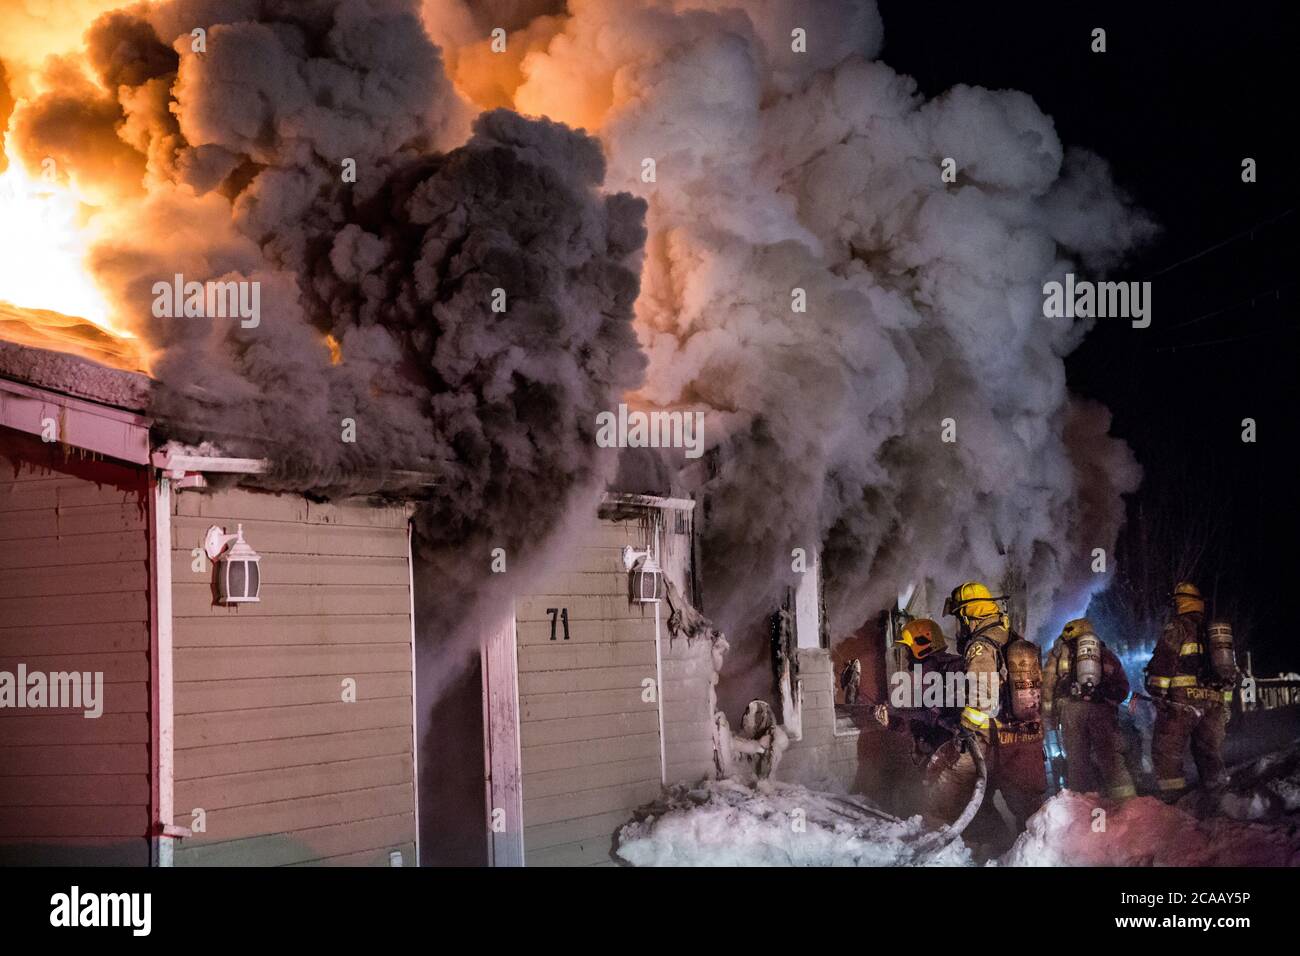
777,170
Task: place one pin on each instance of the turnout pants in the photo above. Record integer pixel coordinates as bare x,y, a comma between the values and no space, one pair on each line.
1016,768
1094,751
1175,726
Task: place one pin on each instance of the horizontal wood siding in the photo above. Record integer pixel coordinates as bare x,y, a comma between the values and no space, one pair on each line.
688,672
286,772
74,598
821,759
688,676
590,744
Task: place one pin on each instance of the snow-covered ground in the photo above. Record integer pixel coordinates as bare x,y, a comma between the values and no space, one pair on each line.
1146,832
722,823
1257,823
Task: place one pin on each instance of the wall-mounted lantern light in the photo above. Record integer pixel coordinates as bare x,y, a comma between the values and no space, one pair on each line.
239,578
646,581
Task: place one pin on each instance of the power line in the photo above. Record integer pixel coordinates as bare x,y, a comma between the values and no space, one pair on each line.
1219,245
1229,339
1251,299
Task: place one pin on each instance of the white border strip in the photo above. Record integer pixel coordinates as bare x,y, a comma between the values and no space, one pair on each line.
659,677
179,464
164,738
415,707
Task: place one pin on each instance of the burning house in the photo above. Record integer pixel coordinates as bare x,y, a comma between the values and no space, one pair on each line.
254,655
436,432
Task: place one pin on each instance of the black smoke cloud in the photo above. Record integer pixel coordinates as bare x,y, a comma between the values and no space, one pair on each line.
239,154
512,396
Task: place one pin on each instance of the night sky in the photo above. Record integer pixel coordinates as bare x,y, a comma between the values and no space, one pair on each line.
1181,96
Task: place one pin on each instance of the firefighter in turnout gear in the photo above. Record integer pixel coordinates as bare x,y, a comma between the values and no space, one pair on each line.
1002,715
1083,685
930,722
1191,687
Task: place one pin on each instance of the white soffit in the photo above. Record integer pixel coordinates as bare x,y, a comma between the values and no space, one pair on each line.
96,428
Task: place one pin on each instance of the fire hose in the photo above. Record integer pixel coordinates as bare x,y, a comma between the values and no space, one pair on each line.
934,840
1175,704
938,839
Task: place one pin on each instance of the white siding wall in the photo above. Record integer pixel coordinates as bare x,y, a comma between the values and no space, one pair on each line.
688,719
821,755
287,772
590,745
687,667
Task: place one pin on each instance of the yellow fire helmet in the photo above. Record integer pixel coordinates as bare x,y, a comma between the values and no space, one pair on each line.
1080,625
1187,598
971,601
922,637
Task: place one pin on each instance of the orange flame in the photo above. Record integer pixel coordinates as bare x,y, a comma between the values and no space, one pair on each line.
336,349
45,236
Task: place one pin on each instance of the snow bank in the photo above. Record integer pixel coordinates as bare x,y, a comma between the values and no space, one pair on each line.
727,823
1146,832
723,823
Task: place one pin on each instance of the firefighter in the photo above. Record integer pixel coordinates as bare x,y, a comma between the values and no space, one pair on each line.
1191,697
1083,685
1003,717
931,726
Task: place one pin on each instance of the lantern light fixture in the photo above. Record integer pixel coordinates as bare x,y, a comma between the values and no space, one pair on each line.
239,577
645,582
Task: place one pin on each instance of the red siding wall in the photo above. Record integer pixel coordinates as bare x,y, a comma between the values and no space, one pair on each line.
74,597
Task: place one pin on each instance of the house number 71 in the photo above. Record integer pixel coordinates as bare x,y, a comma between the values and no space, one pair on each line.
563,614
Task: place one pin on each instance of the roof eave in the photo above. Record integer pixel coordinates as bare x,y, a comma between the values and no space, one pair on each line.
58,418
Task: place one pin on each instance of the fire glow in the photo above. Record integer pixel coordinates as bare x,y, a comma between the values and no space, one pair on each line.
45,236
43,246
